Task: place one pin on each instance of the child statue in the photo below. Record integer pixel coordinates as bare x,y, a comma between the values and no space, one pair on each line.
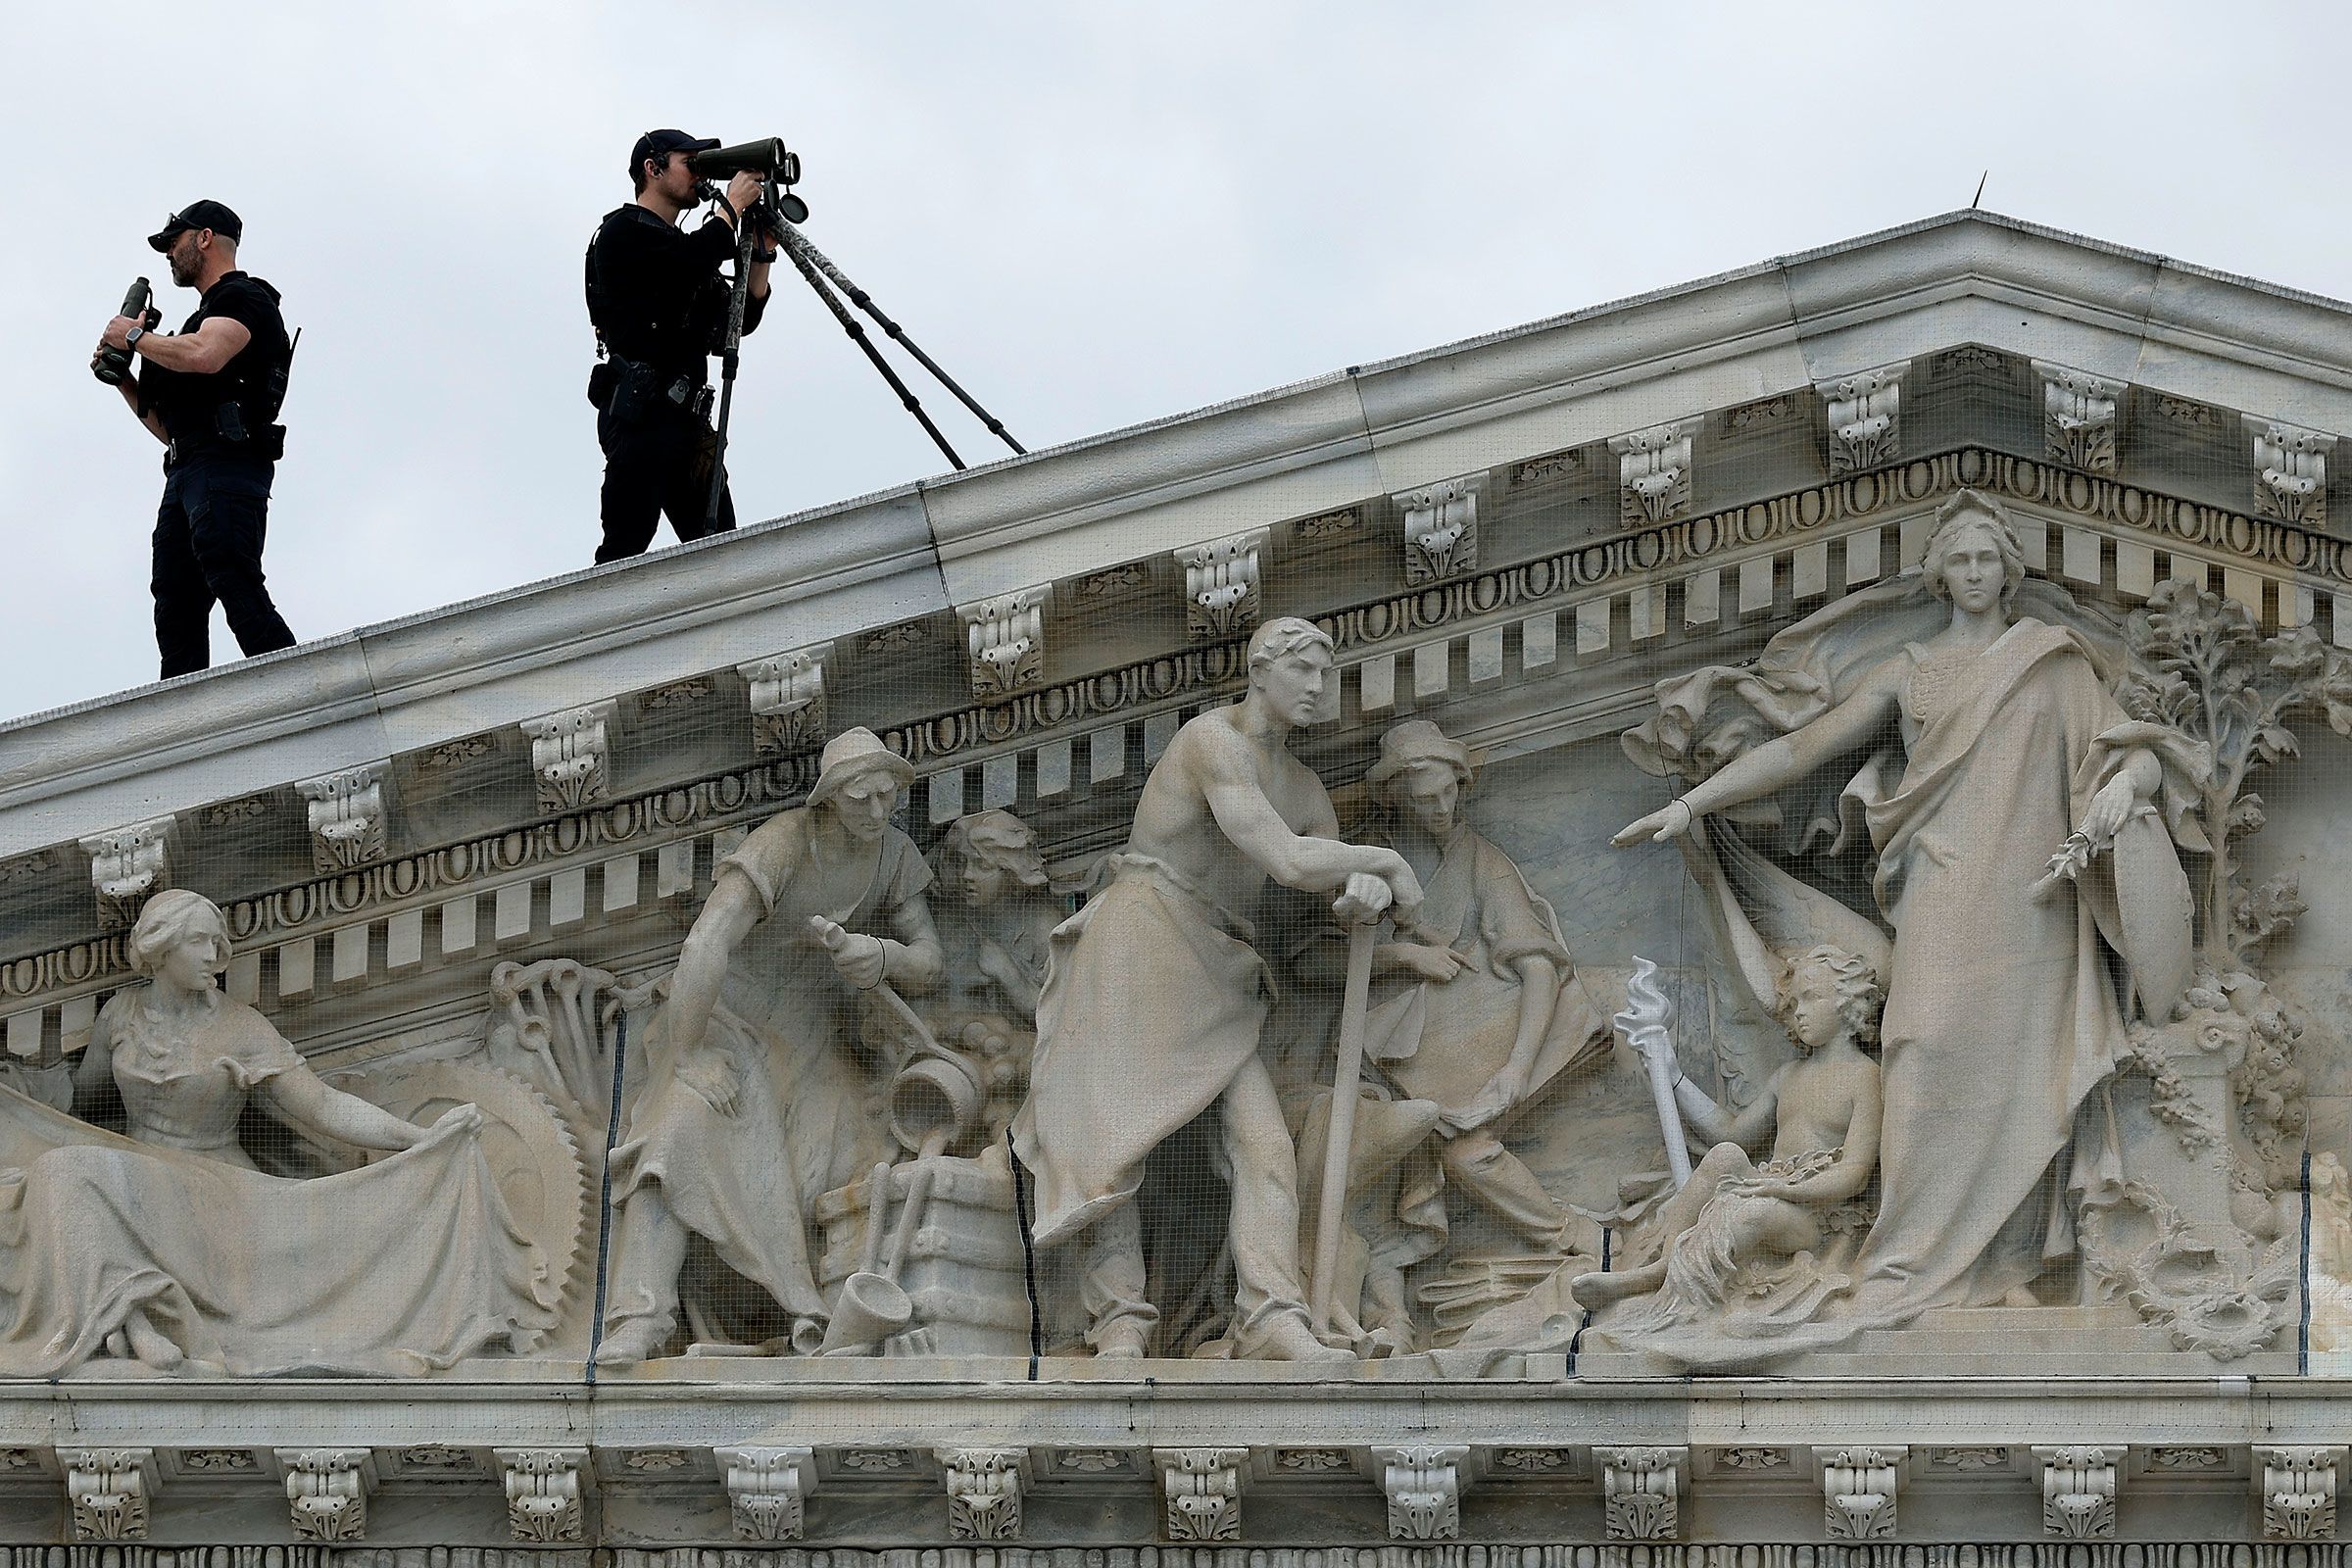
1733,1229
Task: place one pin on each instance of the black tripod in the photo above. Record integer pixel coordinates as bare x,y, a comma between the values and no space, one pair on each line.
823,277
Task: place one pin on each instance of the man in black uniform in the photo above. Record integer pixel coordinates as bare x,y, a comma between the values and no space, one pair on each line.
658,298
209,393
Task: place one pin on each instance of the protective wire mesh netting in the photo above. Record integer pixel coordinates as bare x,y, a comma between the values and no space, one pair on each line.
1980,995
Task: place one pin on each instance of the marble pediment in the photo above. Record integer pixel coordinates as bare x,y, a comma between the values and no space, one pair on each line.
457,860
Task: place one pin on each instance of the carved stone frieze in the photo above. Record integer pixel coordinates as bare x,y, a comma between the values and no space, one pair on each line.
1534,1461
2290,470
984,1491
2077,417
2136,517
1112,581
1642,1491
1566,465
2077,1489
1654,471
768,1490
218,1461
571,755
1600,1554
1864,411
1969,1459
788,700
1311,1461
109,1492
545,1500
326,1491
1440,528
2298,1485
129,864
1200,1490
1857,1489
677,694
1753,1458
1423,1481
1763,412
348,815
1221,584
1004,641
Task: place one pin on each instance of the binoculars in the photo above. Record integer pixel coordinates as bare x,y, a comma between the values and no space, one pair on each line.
768,158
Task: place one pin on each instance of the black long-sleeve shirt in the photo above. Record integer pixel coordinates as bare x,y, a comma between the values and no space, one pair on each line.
657,293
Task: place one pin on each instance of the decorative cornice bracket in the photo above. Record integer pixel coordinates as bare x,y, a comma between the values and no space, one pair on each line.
1424,1483
1859,1487
1221,596
109,1491
546,1494
2290,470
1440,528
788,700
2297,1486
326,1491
129,866
2077,417
1642,1491
1005,639
349,815
2077,1489
1864,411
1202,1490
984,1491
768,1490
1654,471
571,755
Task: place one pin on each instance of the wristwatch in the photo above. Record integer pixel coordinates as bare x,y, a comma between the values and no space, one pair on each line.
130,339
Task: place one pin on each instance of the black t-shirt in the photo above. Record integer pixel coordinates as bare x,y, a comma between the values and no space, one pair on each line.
663,296
189,403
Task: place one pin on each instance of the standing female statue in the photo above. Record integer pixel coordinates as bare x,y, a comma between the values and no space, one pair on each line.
170,1246
2001,1018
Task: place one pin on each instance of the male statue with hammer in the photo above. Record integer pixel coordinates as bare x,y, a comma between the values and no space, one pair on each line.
1154,997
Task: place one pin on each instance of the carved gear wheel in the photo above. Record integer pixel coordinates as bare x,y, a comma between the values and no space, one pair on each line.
533,1156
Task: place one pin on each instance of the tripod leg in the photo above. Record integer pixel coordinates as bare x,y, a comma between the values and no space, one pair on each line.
849,325
731,358
804,253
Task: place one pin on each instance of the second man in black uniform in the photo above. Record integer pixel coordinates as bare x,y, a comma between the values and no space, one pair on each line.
658,297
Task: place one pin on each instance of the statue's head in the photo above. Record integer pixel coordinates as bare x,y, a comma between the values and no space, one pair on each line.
1829,992
179,936
1422,775
1973,558
1290,669
859,779
991,854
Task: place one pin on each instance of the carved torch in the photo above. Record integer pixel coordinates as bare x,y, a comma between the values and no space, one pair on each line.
1644,1023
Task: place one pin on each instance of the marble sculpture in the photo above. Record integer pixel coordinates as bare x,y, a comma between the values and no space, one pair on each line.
1999,1052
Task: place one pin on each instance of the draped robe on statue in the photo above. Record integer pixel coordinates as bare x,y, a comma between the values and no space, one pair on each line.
401,1266
804,1121
2002,1019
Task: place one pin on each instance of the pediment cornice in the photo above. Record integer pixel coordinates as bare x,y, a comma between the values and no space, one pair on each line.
1560,647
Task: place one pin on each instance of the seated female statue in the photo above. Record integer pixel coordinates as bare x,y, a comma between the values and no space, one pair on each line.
170,1249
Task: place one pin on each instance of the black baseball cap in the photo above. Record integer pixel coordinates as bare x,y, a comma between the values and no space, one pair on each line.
662,143
214,216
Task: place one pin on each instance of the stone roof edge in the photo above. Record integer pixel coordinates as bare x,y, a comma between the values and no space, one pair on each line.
917,549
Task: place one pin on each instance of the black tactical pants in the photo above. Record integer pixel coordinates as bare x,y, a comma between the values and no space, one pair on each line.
661,465
208,550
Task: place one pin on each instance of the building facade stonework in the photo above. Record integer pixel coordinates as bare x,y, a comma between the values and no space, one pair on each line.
1702,933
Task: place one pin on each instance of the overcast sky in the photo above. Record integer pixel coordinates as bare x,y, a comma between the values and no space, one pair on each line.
1092,213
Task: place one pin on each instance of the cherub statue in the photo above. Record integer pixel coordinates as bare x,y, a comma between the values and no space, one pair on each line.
1734,1218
